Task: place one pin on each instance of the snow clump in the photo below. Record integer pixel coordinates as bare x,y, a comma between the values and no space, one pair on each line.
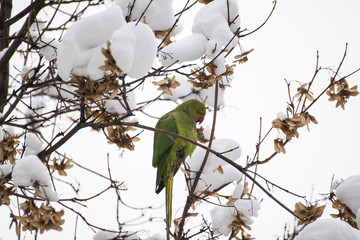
5,169
33,144
47,45
207,96
102,235
329,229
334,229
159,15
181,92
222,216
281,115
134,49
27,70
83,41
117,106
30,170
213,22
211,177
227,147
186,49
348,193
133,46
210,36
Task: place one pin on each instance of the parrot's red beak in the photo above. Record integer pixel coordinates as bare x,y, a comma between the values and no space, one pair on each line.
201,119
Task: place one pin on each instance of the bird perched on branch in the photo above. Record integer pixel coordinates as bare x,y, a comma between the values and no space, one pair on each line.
171,151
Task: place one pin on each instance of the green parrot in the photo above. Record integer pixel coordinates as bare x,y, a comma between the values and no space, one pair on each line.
168,155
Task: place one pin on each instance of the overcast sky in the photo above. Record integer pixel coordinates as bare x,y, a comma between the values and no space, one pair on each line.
284,48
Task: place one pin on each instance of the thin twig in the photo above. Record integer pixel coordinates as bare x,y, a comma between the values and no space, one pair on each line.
189,199
331,82
174,25
268,17
257,155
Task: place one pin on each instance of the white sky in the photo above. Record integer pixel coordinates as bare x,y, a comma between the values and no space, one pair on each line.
285,48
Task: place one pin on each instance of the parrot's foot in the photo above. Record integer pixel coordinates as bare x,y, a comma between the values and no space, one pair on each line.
180,154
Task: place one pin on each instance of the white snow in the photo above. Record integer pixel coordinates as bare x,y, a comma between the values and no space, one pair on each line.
213,22
36,28
133,46
123,47
63,90
145,50
37,107
159,15
134,49
30,170
85,37
48,47
208,95
207,132
33,144
2,131
96,59
281,116
29,70
348,193
156,236
221,216
5,169
228,147
329,229
5,132
116,106
181,91
136,7
248,208
131,119
219,62
102,235
187,49
238,190
212,179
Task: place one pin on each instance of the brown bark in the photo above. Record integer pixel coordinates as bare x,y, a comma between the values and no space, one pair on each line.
5,13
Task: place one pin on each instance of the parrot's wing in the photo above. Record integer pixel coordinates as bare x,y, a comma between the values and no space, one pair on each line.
162,143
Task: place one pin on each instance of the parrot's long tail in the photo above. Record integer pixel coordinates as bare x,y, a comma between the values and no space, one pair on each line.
168,193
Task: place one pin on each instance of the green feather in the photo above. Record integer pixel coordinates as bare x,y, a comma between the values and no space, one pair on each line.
168,155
